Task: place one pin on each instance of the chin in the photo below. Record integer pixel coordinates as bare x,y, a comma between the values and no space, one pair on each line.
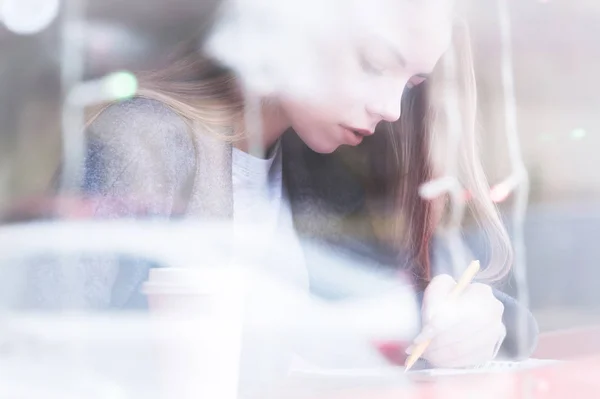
323,147
323,143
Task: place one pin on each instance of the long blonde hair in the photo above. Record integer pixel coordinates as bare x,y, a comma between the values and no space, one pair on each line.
401,156
420,141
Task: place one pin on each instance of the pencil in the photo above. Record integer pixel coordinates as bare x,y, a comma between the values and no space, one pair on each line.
463,283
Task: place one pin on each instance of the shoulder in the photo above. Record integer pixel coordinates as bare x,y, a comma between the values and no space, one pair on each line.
141,130
140,119
139,150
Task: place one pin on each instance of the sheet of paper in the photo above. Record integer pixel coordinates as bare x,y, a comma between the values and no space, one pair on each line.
394,373
305,382
490,367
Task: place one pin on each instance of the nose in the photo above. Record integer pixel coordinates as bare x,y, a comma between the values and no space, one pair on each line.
391,111
388,109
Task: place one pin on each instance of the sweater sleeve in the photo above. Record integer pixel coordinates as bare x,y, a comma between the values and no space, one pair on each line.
521,327
139,163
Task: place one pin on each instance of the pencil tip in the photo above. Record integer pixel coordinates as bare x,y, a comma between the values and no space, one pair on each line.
409,363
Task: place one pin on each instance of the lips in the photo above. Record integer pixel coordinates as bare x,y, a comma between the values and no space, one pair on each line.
359,131
350,136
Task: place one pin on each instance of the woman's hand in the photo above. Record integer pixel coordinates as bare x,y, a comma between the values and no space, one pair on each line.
466,331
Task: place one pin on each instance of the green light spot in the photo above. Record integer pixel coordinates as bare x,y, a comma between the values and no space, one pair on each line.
578,134
121,85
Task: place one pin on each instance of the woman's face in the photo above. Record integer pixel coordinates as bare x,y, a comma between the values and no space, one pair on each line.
362,79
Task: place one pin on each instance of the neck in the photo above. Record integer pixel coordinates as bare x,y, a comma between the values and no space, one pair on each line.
264,124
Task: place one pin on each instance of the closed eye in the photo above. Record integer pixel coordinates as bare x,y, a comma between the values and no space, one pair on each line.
370,67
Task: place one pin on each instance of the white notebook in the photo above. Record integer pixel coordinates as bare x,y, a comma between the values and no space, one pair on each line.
490,367
309,382
390,374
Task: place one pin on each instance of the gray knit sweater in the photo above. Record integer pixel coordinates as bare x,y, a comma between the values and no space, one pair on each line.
144,161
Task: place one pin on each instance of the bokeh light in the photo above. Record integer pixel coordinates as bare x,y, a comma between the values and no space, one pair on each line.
120,85
578,134
27,17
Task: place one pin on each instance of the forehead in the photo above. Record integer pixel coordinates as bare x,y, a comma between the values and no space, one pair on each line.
420,30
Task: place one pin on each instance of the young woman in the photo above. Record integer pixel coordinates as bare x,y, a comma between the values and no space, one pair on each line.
341,168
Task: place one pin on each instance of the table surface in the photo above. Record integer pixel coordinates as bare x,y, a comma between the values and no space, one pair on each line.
576,377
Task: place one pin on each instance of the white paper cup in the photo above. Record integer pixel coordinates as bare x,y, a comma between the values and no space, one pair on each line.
205,309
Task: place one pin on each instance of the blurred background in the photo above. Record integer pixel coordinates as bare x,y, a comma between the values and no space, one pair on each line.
556,59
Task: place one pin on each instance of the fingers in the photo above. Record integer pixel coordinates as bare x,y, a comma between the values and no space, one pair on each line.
476,303
447,316
436,295
463,332
465,347
463,335
484,296
457,330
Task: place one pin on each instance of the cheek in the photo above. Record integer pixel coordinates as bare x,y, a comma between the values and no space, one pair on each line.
343,82
316,126
318,113
353,88
344,102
